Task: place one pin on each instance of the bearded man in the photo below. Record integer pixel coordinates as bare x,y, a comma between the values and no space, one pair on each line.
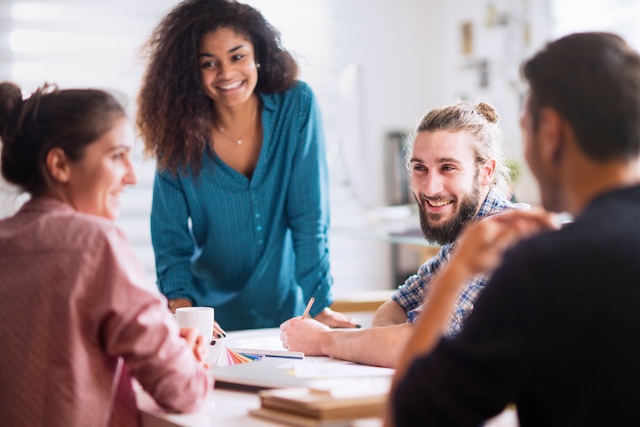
458,175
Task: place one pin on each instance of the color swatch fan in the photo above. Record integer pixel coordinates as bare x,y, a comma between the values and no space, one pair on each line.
225,356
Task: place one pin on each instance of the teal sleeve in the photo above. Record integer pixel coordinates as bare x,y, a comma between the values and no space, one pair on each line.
308,210
172,241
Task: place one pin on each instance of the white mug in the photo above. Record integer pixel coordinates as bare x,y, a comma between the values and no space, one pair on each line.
196,317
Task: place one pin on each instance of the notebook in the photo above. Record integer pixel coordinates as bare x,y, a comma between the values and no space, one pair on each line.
297,420
334,402
278,372
266,373
272,372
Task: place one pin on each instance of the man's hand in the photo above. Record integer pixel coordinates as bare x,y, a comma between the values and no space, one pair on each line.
481,246
478,250
305,335
335,319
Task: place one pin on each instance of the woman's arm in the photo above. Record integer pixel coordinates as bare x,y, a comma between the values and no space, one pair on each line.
172,243
138,327
308,203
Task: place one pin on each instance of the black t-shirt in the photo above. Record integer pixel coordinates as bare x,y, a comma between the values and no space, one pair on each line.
556,331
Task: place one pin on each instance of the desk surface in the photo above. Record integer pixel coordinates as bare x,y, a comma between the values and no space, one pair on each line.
229,407
224,406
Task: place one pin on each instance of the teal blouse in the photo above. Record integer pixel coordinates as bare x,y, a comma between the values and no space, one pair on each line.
255,249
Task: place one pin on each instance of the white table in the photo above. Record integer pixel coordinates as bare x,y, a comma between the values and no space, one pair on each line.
229,407
222,408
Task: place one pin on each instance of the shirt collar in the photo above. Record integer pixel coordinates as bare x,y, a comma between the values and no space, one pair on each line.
46,204
489,205
268,101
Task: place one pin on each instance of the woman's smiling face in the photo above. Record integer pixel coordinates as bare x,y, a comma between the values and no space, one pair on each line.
227,67
96,181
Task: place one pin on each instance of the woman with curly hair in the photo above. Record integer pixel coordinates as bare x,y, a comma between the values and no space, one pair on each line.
240,203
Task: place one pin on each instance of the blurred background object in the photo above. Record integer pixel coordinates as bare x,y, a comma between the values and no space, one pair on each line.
375,65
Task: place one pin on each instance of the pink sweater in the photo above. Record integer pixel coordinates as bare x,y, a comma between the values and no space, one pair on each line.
79,319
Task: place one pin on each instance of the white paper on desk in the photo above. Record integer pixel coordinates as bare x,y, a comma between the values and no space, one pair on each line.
343,388
335,370
218,353
263,343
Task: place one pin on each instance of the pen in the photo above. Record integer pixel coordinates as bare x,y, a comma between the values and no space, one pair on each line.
294,355
269,353
306,310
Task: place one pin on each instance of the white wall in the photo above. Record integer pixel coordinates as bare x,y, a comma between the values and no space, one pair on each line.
84,43
387,40
516,30
407,52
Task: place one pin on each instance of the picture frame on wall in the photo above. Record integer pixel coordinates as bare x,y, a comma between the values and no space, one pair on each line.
467,37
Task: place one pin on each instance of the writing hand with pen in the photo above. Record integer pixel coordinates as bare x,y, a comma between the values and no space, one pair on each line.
309,335
332,319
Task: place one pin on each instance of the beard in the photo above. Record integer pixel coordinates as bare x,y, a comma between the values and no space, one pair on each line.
448,231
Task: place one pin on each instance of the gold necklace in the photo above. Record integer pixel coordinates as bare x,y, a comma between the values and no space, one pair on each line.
238,141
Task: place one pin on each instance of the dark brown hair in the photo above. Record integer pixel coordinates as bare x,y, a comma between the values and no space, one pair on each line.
593,81
174,113
69,119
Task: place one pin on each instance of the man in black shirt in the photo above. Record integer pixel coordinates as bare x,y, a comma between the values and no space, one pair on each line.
557,328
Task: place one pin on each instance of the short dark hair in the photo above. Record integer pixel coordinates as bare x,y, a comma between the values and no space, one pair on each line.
593,81
68,119
174,113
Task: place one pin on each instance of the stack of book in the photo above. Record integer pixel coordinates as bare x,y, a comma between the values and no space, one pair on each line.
336,405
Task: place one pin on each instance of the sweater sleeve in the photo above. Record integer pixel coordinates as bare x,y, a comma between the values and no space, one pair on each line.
138,327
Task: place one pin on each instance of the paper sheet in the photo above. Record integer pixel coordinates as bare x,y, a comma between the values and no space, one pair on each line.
338,370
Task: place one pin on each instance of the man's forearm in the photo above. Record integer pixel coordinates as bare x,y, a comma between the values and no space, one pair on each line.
389,313
378,346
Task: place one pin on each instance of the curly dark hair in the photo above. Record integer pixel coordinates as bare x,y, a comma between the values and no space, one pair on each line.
174,114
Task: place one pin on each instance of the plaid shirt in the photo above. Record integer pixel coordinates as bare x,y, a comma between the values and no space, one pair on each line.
410,294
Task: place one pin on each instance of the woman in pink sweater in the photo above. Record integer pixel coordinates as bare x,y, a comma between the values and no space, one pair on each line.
80,318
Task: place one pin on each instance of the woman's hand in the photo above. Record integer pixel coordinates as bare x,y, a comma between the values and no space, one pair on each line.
218,332
198,345
178,303
335,319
